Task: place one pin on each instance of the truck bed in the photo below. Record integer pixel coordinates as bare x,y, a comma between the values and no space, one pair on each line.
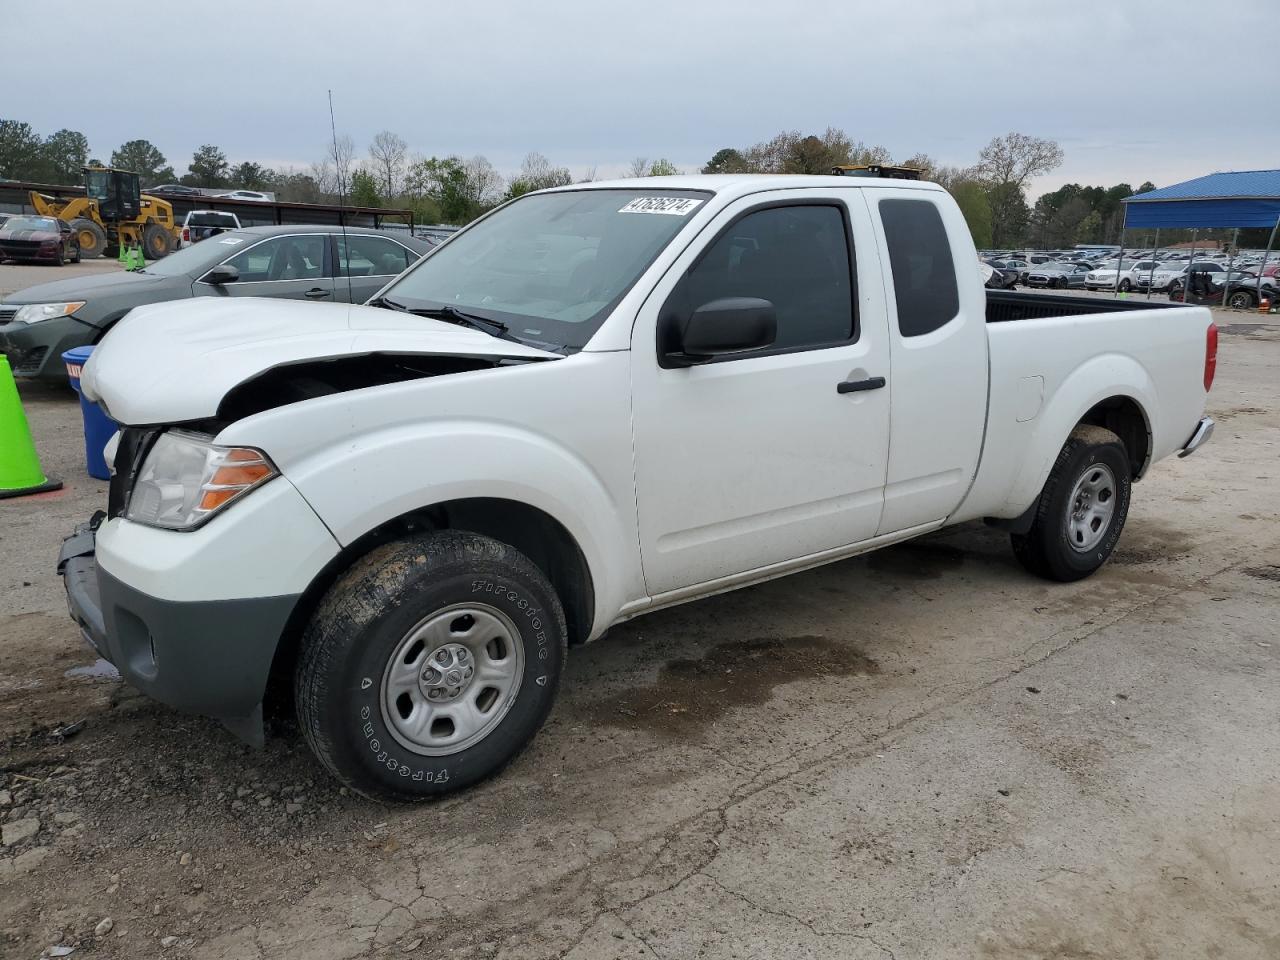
1005,305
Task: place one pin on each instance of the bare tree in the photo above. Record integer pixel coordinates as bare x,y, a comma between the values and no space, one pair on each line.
339,155
483,183
639,167
388,153
588,176
1015,158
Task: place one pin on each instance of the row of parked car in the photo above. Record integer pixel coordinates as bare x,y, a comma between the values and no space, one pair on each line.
1168,274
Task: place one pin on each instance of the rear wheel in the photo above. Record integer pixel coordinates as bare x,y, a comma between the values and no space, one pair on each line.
156,241
91,237
1241,300
1082,508
430,665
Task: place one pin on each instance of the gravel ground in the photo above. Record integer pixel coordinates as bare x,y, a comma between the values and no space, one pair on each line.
920,753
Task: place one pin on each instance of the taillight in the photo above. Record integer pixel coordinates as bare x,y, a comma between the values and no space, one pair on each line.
1210,355
186,235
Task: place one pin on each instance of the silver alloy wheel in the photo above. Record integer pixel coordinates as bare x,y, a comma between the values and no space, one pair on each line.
452,678
1092,504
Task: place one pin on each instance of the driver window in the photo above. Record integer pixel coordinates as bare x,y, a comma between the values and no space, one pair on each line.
282,258
797,258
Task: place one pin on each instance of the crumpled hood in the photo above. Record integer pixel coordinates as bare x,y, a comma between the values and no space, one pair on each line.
174,362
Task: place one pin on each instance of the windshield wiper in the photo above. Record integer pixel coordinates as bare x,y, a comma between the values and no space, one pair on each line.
389,304
451,314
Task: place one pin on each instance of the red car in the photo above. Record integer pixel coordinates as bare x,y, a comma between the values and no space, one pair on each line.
38,238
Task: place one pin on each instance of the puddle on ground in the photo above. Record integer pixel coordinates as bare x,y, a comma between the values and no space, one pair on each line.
917,560
1150,541
690,694
98,670
1270,572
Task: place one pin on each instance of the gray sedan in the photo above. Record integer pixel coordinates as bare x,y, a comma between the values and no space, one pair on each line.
299,262
1058,274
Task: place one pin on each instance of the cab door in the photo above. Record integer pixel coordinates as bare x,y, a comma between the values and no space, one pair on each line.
758,459
938,340
296,266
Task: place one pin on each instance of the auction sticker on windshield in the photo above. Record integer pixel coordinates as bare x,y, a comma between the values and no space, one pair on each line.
673,206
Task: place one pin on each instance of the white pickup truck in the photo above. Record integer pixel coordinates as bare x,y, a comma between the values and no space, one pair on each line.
592,403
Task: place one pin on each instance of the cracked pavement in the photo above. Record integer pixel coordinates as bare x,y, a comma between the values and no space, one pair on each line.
922,753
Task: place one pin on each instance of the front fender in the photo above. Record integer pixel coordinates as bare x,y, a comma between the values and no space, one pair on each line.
555,436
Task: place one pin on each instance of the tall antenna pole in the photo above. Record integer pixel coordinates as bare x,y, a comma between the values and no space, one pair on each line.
342,198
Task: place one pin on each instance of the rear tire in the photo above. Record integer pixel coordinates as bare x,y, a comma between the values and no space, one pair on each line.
93,239
371,702
1082,508
156,242
1241,300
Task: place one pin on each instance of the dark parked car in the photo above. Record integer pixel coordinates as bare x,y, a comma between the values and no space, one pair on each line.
300,262
1006,275
45,239
173,190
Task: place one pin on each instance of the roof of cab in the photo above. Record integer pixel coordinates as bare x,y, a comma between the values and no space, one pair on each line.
742,184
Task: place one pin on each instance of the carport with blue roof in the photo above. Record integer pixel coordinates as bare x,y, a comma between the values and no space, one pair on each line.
1241,198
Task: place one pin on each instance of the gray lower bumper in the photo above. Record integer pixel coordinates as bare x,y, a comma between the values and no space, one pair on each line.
1204,430
210,657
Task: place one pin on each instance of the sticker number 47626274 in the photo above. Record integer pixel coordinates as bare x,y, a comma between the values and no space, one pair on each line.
672,206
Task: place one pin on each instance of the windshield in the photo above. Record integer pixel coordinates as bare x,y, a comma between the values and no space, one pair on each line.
1107,265
200,257
550,266
97,184
14,224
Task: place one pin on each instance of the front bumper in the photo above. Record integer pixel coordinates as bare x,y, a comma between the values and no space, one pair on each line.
1203,431
35,349
210,657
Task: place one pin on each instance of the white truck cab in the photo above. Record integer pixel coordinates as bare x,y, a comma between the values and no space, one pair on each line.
593,402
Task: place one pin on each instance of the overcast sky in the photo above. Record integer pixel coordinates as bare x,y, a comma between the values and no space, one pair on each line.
1130,91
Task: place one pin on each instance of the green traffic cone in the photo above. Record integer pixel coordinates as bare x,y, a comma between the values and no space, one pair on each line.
135,260
20,472
122,254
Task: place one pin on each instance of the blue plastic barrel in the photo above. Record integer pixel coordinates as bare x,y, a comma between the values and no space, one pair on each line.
98,427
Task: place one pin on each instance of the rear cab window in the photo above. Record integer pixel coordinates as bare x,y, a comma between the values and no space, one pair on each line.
923,268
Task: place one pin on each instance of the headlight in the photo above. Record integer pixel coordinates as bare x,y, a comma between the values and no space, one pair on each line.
33,312
186,480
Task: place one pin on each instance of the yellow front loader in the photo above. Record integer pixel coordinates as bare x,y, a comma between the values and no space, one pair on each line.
113,213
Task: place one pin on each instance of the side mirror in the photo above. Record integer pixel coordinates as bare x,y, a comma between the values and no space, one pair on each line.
222,273
722,327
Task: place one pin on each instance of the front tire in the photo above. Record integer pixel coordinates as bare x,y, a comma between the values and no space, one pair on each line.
1125,286
92,238
157,242
1082,508
429,665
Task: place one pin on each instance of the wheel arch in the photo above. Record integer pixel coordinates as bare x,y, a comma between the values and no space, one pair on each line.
543,539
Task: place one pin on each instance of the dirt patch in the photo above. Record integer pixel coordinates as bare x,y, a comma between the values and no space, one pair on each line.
1222,416
1270,572
691,694
917,560
1152,542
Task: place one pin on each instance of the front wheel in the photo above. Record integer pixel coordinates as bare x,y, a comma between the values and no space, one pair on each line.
430,665
1125,286
1082,508
157,242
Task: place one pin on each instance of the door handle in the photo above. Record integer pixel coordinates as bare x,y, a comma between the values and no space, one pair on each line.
315,293
857,386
